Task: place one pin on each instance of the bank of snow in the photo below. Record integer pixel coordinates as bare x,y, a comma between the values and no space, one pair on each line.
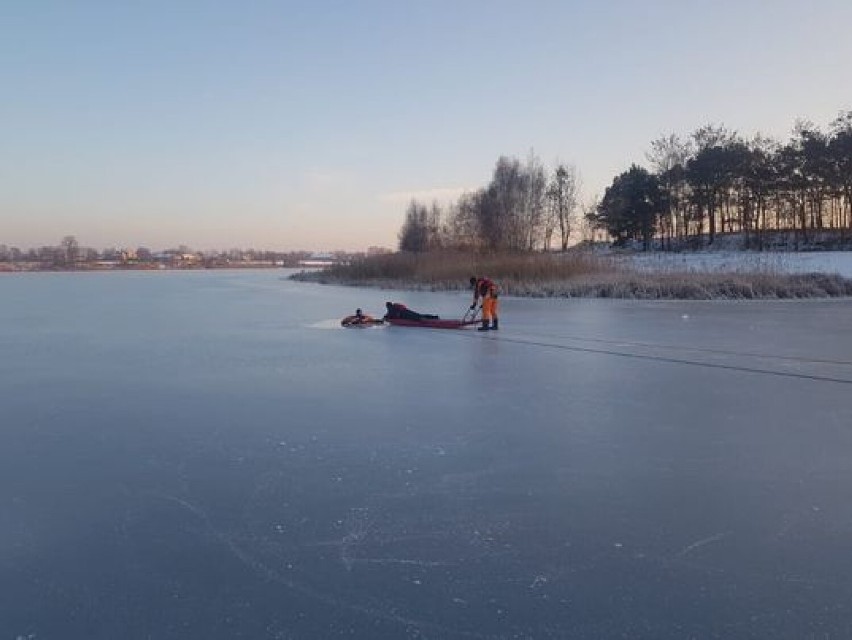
772,262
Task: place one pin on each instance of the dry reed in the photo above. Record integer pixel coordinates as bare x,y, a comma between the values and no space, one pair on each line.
574,274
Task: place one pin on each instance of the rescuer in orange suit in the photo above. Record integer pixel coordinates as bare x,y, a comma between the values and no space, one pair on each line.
486,290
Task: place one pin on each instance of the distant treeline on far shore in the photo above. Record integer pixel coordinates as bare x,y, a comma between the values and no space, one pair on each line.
794,194
68,255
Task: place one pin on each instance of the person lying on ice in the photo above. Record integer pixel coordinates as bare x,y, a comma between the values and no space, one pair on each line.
398,310
360,318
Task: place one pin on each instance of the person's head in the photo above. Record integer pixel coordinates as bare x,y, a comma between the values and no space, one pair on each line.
358,312
388,305
473,281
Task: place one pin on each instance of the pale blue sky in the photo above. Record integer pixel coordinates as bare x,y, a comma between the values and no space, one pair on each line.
283,125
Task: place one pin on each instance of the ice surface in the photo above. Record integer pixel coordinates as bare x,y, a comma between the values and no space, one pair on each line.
199,455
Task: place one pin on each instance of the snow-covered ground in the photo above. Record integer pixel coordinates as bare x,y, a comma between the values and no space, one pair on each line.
839,262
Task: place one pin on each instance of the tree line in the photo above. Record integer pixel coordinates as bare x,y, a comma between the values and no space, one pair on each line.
710,182
69,254
523,208
715,181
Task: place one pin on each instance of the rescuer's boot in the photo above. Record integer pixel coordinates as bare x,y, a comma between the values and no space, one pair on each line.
484,326
494,324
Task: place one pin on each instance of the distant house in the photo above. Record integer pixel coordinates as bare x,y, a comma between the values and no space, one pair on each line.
318,260
178,259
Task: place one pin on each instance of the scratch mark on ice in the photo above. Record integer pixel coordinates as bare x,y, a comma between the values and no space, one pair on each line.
360,527
700,543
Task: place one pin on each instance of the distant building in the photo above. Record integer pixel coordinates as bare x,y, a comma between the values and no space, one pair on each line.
318,260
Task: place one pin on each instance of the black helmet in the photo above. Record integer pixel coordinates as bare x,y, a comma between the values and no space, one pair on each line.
473,281
357,312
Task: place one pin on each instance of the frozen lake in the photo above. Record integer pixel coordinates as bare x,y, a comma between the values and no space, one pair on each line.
209,455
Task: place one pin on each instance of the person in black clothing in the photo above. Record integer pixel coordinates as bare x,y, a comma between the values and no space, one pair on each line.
398,310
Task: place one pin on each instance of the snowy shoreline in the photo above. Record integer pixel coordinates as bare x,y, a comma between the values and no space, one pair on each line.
785,262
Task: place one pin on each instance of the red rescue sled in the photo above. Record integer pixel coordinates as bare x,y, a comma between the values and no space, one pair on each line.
431,324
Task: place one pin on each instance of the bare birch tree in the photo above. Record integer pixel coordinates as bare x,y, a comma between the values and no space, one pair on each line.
562,196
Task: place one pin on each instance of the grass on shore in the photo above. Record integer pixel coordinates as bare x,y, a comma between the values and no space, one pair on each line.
573,274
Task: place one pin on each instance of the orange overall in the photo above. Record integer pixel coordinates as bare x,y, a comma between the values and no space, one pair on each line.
487,290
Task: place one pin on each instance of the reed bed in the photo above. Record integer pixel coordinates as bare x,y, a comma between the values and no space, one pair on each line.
575,274
694,286
452,270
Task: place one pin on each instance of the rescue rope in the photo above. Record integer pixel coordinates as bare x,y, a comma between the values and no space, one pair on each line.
671,360
673,347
